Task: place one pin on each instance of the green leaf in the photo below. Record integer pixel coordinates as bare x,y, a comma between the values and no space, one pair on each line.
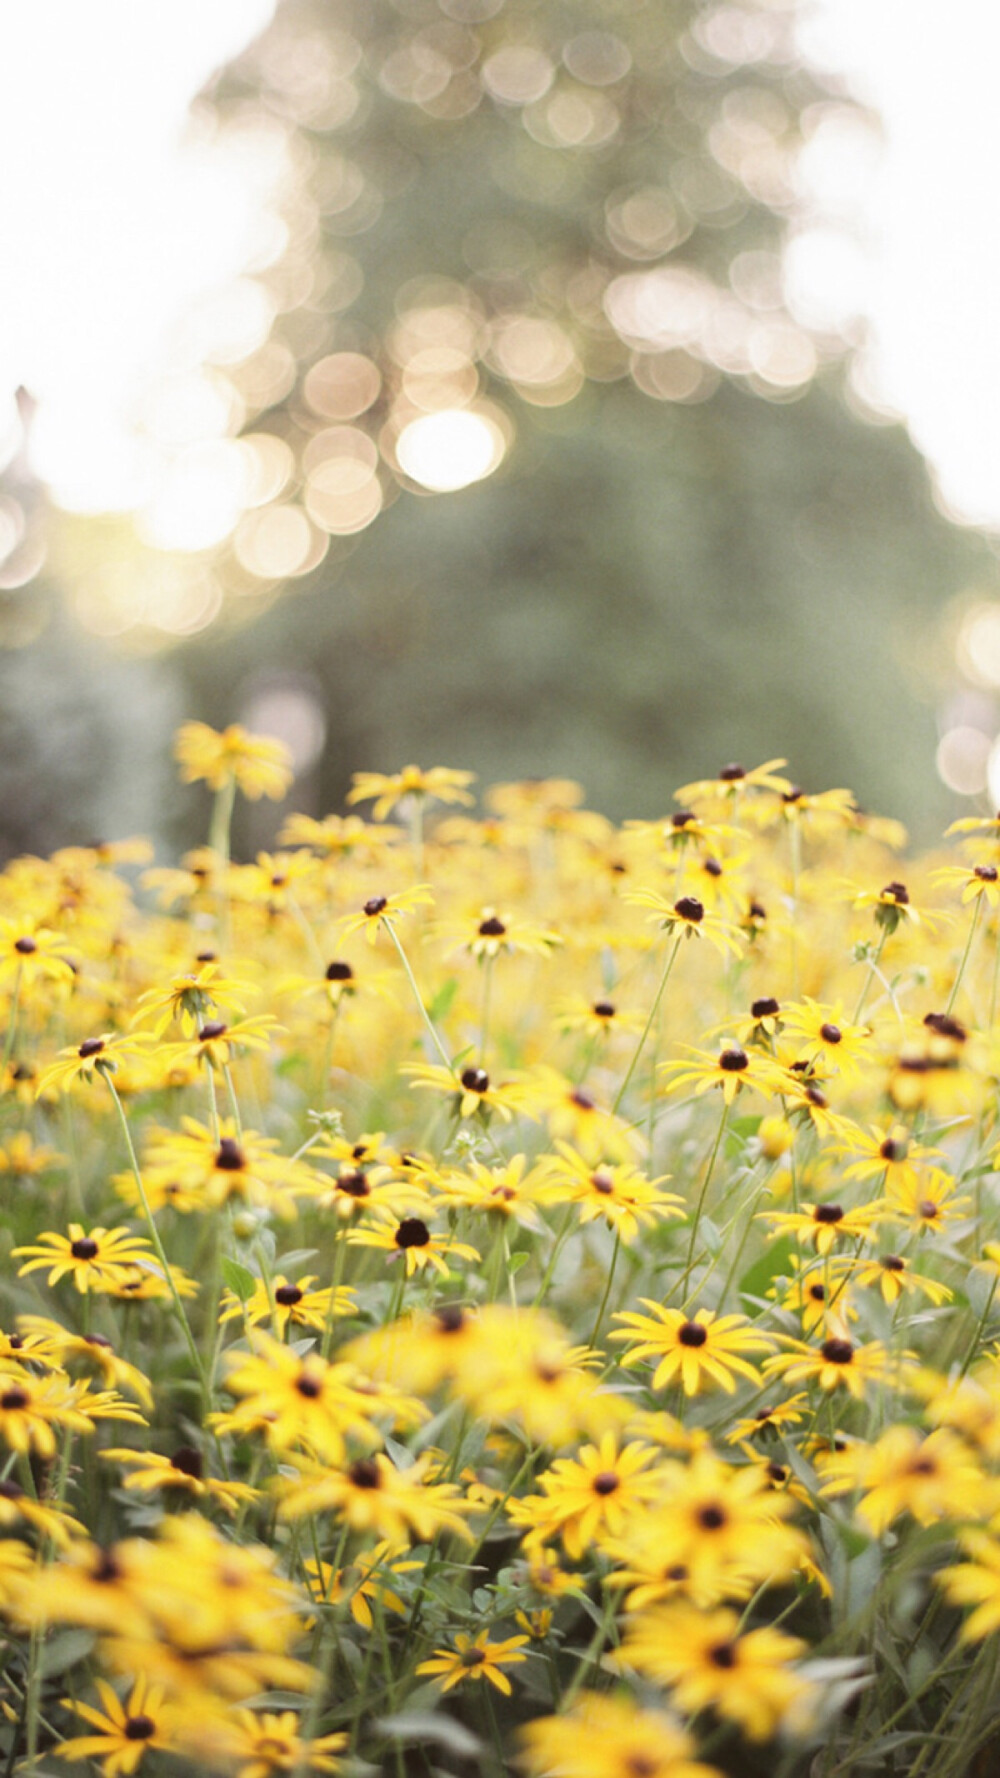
773,1263
516,1261
240,1279
65,1650
428,1725
441,1004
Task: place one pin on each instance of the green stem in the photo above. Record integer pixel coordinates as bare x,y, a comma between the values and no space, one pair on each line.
218,839
158,1243
607,1288
702,1195
956,984
870,977
418,997
654,1009
15,1000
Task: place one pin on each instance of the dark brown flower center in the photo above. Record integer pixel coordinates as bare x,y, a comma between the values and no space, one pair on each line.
188,1461
91,1046
734,1061
375,905
451,1318
732,774
229,1157
27,946
723,1654
412,1233
365,1473
602,1182
309,1386
605,1482
711,867
491,927
764,1008
891,1262
692,1333
891,1150
689,908
84,1248
213,1028
139,1728
354,1183
828,1213
946,1026
831,1033
339,972
604,1009
13,1399
837,1351
987,873
475,1080
287,1295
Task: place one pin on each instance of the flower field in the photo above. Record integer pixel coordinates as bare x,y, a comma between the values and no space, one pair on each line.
486,1290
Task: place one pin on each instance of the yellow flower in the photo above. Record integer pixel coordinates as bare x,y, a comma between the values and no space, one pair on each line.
975,1582
372,1495
414,1241
257,764
610,1737
95,1054
124,1731
95,1261
695,1351
184,1471
591,1497
747,1679
285,1302
687,917
931,1478
475,1657
383,910
260,1744
837,1363
440,784
733,1069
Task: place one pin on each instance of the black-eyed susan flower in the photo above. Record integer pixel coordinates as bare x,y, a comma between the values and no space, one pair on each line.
697,1351
257,764
827,1039
931,1478
93,1351
384,910
475,1657
732,779
929,1202
978,882
189,999
893,1276
610,1736
121,1733
616,1191
975,1582
363,1583
283,1301
489,934
183,1471
372,1495
96,1259
258,1744
411,1239
303,1401
95,1055
31,953
748,1679
733,1069
472,1090
687,917
836,1363
385,791
821,1225
591,1497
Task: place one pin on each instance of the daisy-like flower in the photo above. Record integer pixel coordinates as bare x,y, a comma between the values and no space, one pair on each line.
503,1191
827,1039
19,1510
22,1158
770,1422
372,1495
472,1088
490,934
216,1043
892,905
32,953
716,1532
820,1225
688,918
929,1202
747,1679
124,1732
302,1401
286,1302
698,1351
889,1152
603,1736
814,1289
590,1497
184,1472
189,999
975,1582
475,1657
930,1478
94,1351
979,881
440,784
32,1408
411,1239
616,1191
257,764
99,1055
95,1260
733,779
892,1275
732,1069
258,1744
362,1583
837,1363
596,1018
383,910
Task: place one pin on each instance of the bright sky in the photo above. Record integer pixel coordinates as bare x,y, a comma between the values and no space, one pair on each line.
114,219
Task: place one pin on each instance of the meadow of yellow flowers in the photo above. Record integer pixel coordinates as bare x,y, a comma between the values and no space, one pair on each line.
488,1291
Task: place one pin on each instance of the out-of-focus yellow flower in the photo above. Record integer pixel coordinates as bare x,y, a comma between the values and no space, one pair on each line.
257,764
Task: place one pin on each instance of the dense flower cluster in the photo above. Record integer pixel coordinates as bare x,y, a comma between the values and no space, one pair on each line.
501,1287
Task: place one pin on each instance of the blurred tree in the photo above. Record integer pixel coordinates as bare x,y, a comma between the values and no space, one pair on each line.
562,220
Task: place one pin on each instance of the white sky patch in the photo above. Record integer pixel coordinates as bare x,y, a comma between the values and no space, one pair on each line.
927,225
111,223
